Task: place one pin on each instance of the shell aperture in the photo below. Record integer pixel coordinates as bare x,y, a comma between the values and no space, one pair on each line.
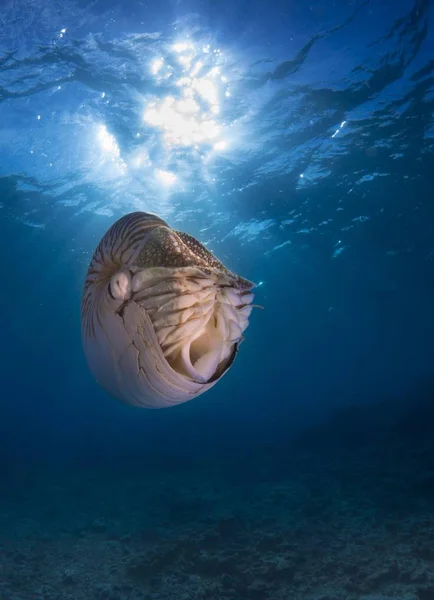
162,317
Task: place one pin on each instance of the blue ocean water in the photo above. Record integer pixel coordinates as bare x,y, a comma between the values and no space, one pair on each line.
295,140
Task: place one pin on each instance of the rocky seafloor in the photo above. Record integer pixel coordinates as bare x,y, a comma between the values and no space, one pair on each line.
345,512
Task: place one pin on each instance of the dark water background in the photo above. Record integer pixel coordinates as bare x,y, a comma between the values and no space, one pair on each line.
324,195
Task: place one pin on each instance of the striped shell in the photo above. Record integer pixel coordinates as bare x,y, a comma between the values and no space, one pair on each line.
162,318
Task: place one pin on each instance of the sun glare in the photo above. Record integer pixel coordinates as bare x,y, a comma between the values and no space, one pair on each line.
187,116
190,117
110,152
108,142
166,177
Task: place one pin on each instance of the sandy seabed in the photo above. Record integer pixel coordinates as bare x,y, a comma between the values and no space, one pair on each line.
333,516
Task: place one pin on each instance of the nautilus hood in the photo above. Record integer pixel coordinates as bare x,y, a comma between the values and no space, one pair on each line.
162,318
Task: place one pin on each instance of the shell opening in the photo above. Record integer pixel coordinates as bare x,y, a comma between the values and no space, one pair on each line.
198,324
207,353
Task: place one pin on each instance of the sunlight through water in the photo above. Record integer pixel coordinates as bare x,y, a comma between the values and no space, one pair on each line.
179,131
189,118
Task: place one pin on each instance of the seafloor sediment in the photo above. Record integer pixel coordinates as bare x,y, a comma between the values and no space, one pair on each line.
339,514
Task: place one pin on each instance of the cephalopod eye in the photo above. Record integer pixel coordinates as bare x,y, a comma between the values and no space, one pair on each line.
119,286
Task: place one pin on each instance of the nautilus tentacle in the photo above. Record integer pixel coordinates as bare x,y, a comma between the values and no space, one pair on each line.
162,317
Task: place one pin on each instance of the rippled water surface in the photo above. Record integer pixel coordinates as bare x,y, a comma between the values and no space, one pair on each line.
278,127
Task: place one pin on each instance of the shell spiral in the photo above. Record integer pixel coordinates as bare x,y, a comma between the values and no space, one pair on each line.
162,317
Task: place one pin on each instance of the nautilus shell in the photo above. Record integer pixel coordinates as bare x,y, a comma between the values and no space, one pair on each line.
162,318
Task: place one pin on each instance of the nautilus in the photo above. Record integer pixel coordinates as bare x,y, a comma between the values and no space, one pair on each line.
162,318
